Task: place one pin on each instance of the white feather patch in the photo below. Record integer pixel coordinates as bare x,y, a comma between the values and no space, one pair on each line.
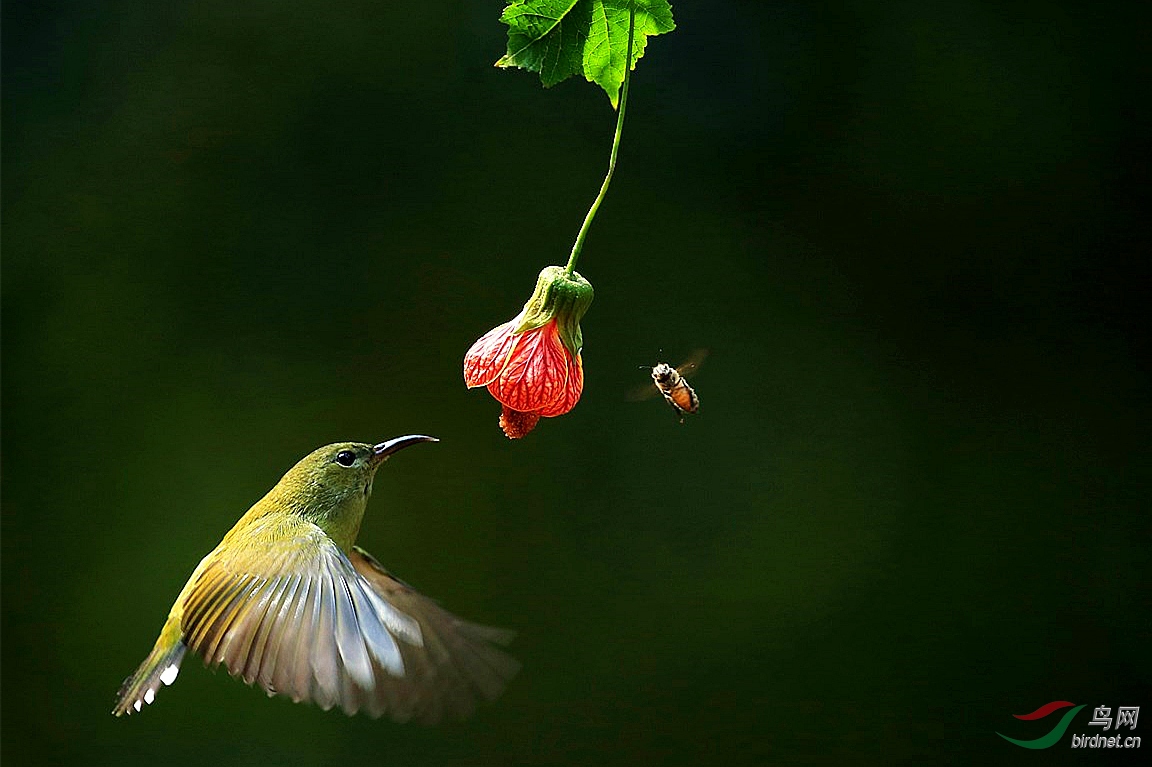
169,675
149,696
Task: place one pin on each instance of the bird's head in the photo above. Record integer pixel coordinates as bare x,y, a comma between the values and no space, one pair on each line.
333,476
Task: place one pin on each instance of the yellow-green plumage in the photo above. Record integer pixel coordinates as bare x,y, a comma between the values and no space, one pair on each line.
289,603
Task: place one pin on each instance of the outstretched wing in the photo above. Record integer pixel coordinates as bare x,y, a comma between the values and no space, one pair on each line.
297,618
694,361
643,392
454,668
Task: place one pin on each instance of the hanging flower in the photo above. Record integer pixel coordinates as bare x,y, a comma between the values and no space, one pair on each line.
531,364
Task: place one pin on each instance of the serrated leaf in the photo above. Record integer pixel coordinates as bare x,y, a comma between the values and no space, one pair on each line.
560,38
547,36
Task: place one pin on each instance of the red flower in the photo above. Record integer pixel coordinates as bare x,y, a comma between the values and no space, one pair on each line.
530,372
531,364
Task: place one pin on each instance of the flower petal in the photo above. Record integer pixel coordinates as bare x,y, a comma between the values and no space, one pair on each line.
573,387
516,424
488,356
536,373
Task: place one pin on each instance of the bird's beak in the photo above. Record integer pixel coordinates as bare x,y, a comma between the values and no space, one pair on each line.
381,452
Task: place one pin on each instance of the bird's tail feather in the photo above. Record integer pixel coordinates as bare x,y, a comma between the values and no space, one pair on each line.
159,668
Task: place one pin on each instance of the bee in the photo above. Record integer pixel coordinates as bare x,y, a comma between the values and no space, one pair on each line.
671,383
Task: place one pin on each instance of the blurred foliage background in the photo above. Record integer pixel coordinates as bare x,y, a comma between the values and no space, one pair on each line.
913,504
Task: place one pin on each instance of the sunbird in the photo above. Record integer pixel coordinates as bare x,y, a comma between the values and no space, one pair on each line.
289,603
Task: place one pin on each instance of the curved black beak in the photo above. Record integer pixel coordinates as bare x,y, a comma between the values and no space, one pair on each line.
381,452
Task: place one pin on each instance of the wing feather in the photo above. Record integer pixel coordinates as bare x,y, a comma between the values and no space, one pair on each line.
324,662
242,634
259,621
453,666
223,630
270,638
307,621
291,671
350,638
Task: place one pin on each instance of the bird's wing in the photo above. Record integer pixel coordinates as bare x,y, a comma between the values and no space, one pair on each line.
454,667
298,619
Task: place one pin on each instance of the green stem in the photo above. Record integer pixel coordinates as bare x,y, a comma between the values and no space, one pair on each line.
579,244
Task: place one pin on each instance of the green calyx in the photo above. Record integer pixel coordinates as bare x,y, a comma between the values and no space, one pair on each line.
559,296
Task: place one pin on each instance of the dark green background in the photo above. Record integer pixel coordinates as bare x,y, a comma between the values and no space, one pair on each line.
914,501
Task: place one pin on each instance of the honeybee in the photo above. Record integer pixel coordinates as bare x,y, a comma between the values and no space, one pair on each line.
671,383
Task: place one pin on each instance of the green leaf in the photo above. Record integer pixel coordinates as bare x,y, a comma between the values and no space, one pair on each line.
561,38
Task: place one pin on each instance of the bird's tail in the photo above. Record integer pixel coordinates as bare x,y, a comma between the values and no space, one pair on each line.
159,668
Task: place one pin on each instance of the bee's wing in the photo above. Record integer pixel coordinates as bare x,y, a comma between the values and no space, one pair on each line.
643,392
693,363
304,621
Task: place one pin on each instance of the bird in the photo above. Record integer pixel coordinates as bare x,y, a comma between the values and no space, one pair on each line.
288,603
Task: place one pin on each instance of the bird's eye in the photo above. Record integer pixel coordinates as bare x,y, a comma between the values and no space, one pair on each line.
345,458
